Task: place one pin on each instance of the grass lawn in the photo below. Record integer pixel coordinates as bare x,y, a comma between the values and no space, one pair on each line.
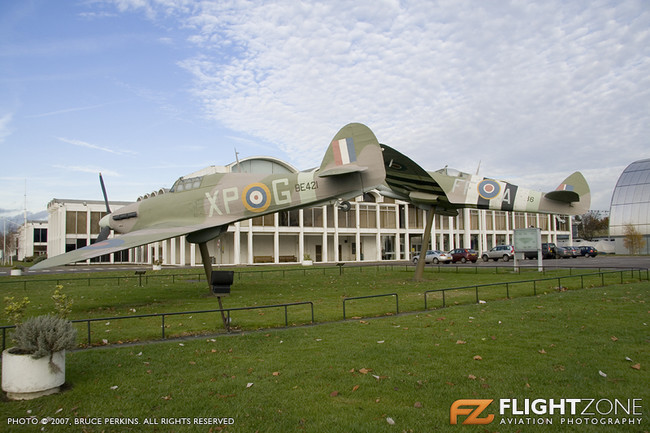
358,375
103,295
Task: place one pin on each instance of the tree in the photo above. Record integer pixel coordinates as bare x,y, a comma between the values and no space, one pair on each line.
633,239
593,225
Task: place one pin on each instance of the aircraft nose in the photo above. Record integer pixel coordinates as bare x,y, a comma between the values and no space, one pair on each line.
105,221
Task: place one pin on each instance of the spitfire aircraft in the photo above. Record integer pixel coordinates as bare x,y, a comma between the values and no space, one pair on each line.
202,207
446,190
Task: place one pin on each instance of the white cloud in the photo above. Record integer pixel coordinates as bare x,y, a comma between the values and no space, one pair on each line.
81,169
524,87
5,128
95,147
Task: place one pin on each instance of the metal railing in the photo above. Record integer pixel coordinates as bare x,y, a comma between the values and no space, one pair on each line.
163,315
509,284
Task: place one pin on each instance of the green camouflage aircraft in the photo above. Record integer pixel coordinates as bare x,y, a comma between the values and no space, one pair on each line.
446,190
201,208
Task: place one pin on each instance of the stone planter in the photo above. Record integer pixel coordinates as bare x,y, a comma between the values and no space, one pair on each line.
25,378
16,272
307,262
157,267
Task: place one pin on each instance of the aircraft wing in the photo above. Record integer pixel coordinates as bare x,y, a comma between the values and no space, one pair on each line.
408,181
123,242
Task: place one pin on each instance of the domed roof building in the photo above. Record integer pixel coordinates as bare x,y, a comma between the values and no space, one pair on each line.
630,207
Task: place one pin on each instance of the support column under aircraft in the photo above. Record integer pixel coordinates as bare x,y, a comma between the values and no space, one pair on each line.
207,266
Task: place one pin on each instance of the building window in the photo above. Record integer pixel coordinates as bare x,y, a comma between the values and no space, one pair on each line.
75,223
40,235
367,217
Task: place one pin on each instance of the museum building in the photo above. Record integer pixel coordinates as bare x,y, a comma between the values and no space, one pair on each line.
630,207
375,228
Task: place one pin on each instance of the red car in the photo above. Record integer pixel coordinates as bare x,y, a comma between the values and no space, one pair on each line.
463,255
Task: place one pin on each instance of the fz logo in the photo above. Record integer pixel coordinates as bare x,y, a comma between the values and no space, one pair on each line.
463,407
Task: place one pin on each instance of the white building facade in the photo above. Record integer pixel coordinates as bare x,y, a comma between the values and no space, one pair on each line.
31,240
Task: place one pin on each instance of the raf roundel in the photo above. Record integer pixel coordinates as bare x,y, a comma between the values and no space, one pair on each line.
489,189
256,197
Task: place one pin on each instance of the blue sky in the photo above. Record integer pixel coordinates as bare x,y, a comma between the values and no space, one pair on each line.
148,90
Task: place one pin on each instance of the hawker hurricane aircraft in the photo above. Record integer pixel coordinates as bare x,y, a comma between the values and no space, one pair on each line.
201,208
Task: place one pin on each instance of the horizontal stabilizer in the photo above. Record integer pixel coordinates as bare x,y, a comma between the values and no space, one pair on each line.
563,196
570,190
343,169
418,196
573,191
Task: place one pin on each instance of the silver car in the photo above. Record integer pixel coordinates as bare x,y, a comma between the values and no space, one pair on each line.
434,256
505,252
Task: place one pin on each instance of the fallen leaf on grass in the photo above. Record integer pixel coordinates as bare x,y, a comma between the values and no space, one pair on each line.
460,342
355,388
472,377
276,373
636,366
614,338
390,421
542,351
249,384
167,397
364,370
417,405
478,358
334,393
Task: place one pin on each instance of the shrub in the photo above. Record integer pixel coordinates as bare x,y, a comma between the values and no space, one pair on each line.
42,336
14,310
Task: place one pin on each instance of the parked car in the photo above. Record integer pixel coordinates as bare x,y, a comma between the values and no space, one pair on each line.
434,256
588,251
575,251
549,251
463,255
563,252
505,252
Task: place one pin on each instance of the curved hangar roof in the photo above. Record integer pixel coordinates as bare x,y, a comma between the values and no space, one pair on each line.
631,200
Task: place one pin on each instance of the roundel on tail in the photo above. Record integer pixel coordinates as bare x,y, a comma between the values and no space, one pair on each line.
256,197
489,189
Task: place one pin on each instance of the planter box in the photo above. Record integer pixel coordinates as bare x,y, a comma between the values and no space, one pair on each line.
157,267
307,262
16,272
25,378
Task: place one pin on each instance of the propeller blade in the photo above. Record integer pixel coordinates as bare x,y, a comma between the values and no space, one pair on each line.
101,181
105,231
103,234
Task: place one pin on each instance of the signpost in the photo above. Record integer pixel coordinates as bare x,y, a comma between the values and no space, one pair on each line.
528,241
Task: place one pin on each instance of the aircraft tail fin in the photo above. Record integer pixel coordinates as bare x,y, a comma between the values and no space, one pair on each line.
574,191
354,149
